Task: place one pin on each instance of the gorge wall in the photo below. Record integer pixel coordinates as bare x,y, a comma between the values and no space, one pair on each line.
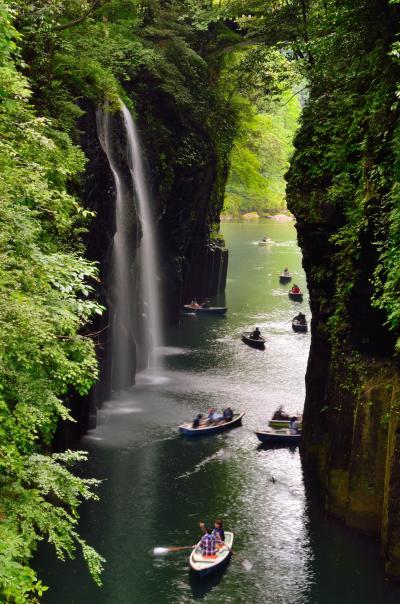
343,190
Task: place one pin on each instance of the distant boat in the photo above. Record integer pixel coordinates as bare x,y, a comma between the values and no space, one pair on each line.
205,430
203,565
205,310
258,343
298,326
285,277
275,437
265,241
296,296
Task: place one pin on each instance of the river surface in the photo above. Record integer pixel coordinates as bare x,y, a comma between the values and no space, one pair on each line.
158,486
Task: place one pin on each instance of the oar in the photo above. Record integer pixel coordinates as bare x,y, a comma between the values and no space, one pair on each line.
161,551
247,565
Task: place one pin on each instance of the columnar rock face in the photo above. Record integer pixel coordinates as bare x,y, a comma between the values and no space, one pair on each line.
341,189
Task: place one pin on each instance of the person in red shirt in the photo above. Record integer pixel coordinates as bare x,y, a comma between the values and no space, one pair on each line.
295,289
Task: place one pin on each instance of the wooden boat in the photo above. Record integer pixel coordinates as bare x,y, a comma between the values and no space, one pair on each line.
267,241
205,310
299,327
285,277
275,437
203,565
205,430
297,297
259,343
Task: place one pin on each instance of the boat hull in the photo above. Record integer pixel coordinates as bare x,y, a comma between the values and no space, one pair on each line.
204,566
187,430
259,344
276,438
299,327
295,297
285,278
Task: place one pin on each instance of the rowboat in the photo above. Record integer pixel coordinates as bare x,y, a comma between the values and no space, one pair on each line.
205,310
300,327
275,437
266,242
297,297
205,430
285,277
254,343
203,565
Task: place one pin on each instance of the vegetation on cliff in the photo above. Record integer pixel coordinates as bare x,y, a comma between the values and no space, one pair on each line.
205,77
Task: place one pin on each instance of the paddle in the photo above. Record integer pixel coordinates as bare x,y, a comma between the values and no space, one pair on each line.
247,565
161,551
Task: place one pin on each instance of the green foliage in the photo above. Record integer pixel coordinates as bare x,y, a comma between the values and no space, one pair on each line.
260,158
44,305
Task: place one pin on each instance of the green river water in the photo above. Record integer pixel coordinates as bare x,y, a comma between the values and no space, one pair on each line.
158,485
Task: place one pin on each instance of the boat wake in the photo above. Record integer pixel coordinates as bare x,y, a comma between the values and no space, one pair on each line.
220,456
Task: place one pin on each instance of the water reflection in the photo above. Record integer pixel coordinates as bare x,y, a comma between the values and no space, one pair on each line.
159,486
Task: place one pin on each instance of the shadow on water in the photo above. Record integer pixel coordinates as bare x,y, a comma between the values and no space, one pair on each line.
201,586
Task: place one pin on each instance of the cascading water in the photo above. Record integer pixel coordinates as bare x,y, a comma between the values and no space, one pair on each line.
131,191
148,247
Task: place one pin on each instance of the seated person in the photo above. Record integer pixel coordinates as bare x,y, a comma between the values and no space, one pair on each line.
301,318
208,541
219,532
255,334
295,289
286,271
227,414
294,425
213,417
197,421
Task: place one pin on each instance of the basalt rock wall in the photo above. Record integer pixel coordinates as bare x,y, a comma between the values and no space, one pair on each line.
341,189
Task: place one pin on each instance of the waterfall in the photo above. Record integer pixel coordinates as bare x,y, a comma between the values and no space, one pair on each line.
148,247
127,309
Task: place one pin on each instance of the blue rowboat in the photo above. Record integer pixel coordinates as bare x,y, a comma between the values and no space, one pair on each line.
205,430
275,437
203,565
296,297
285,277
205,310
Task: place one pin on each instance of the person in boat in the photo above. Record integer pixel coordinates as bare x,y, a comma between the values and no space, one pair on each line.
197,421
300,318
208,541
295,289
194,304
227,414
280,414
213,417
286,272
255,335
294,425
219,532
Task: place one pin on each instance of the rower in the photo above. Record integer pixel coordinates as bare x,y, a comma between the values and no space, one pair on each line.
197,420
301,318
295,289
255,334
208,541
